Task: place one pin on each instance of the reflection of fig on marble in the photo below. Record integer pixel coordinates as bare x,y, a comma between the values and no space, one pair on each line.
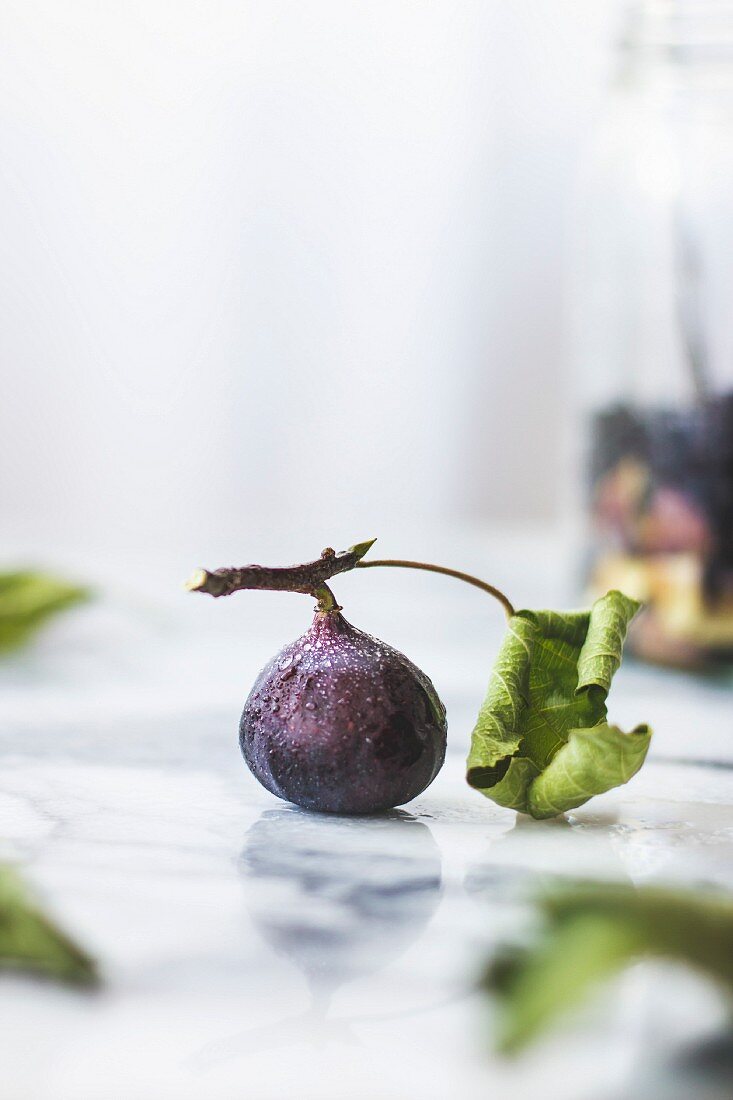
340,897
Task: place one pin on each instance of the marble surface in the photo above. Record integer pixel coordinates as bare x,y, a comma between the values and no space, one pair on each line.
252,950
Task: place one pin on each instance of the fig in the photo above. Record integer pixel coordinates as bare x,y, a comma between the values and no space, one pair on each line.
340,722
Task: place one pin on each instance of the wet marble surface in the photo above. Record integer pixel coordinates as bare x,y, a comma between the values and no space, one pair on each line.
250,949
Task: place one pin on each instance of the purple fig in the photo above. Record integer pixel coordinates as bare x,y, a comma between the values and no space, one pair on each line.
339,722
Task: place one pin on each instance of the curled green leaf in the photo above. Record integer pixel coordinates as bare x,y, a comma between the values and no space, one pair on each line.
541,744
30,942
28,600
591,931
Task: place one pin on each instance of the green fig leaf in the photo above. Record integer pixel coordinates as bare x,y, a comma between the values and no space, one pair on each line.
590,932
28,600
541,744
30,942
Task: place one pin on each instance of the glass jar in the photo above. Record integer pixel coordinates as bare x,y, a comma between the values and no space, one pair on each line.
652,329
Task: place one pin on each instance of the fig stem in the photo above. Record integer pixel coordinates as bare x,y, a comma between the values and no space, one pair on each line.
326,599
310,578
428,568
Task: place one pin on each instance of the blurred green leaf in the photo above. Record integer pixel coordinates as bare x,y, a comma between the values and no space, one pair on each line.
30,942
541,744
28,600
590,932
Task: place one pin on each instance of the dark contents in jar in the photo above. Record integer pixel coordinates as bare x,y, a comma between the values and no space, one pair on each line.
661,503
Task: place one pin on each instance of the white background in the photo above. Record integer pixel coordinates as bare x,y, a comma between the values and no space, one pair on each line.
269,266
